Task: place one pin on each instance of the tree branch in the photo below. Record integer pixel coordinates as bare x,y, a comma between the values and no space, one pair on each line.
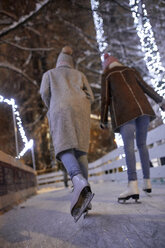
76,28
28,48
13,68
11,15
27,60
23,19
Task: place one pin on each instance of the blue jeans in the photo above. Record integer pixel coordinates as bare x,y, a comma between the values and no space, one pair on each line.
75,162
127,131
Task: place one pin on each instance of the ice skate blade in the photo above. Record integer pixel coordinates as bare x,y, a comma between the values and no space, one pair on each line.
124,199
83,207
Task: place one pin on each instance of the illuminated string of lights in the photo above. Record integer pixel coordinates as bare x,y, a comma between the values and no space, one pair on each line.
28,144
102,44
98,21
149,47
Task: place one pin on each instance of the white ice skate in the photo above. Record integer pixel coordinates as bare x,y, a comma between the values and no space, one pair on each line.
82,196
131,192
147,185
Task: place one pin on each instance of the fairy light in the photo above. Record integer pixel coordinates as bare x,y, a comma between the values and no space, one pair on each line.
102,44
98,21
148,44
28,144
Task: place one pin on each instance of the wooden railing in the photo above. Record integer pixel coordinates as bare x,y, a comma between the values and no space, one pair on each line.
50,178
17,181
112,166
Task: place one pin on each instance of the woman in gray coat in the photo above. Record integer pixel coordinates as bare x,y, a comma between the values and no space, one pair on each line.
68,96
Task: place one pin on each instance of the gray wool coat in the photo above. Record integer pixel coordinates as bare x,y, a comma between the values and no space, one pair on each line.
68,96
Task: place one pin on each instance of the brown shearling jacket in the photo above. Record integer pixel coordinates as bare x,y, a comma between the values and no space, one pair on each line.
123,90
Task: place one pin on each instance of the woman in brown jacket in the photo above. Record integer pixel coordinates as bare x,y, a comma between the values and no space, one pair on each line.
123,89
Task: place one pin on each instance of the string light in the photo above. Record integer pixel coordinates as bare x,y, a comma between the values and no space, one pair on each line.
28,144
102,44
98,21
149,47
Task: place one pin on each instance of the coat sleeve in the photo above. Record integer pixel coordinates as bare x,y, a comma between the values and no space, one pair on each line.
105,100
45,89
147,88
87,89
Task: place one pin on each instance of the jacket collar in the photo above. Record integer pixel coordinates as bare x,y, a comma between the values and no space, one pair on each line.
114,69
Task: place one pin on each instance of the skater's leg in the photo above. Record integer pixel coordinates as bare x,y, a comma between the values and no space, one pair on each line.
83,162
70,162
127,131
141,137
82,194
65,174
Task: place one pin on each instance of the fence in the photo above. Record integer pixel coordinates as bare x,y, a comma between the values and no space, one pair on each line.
112,166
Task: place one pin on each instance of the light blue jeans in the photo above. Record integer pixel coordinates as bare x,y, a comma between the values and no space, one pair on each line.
127,131
75,162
